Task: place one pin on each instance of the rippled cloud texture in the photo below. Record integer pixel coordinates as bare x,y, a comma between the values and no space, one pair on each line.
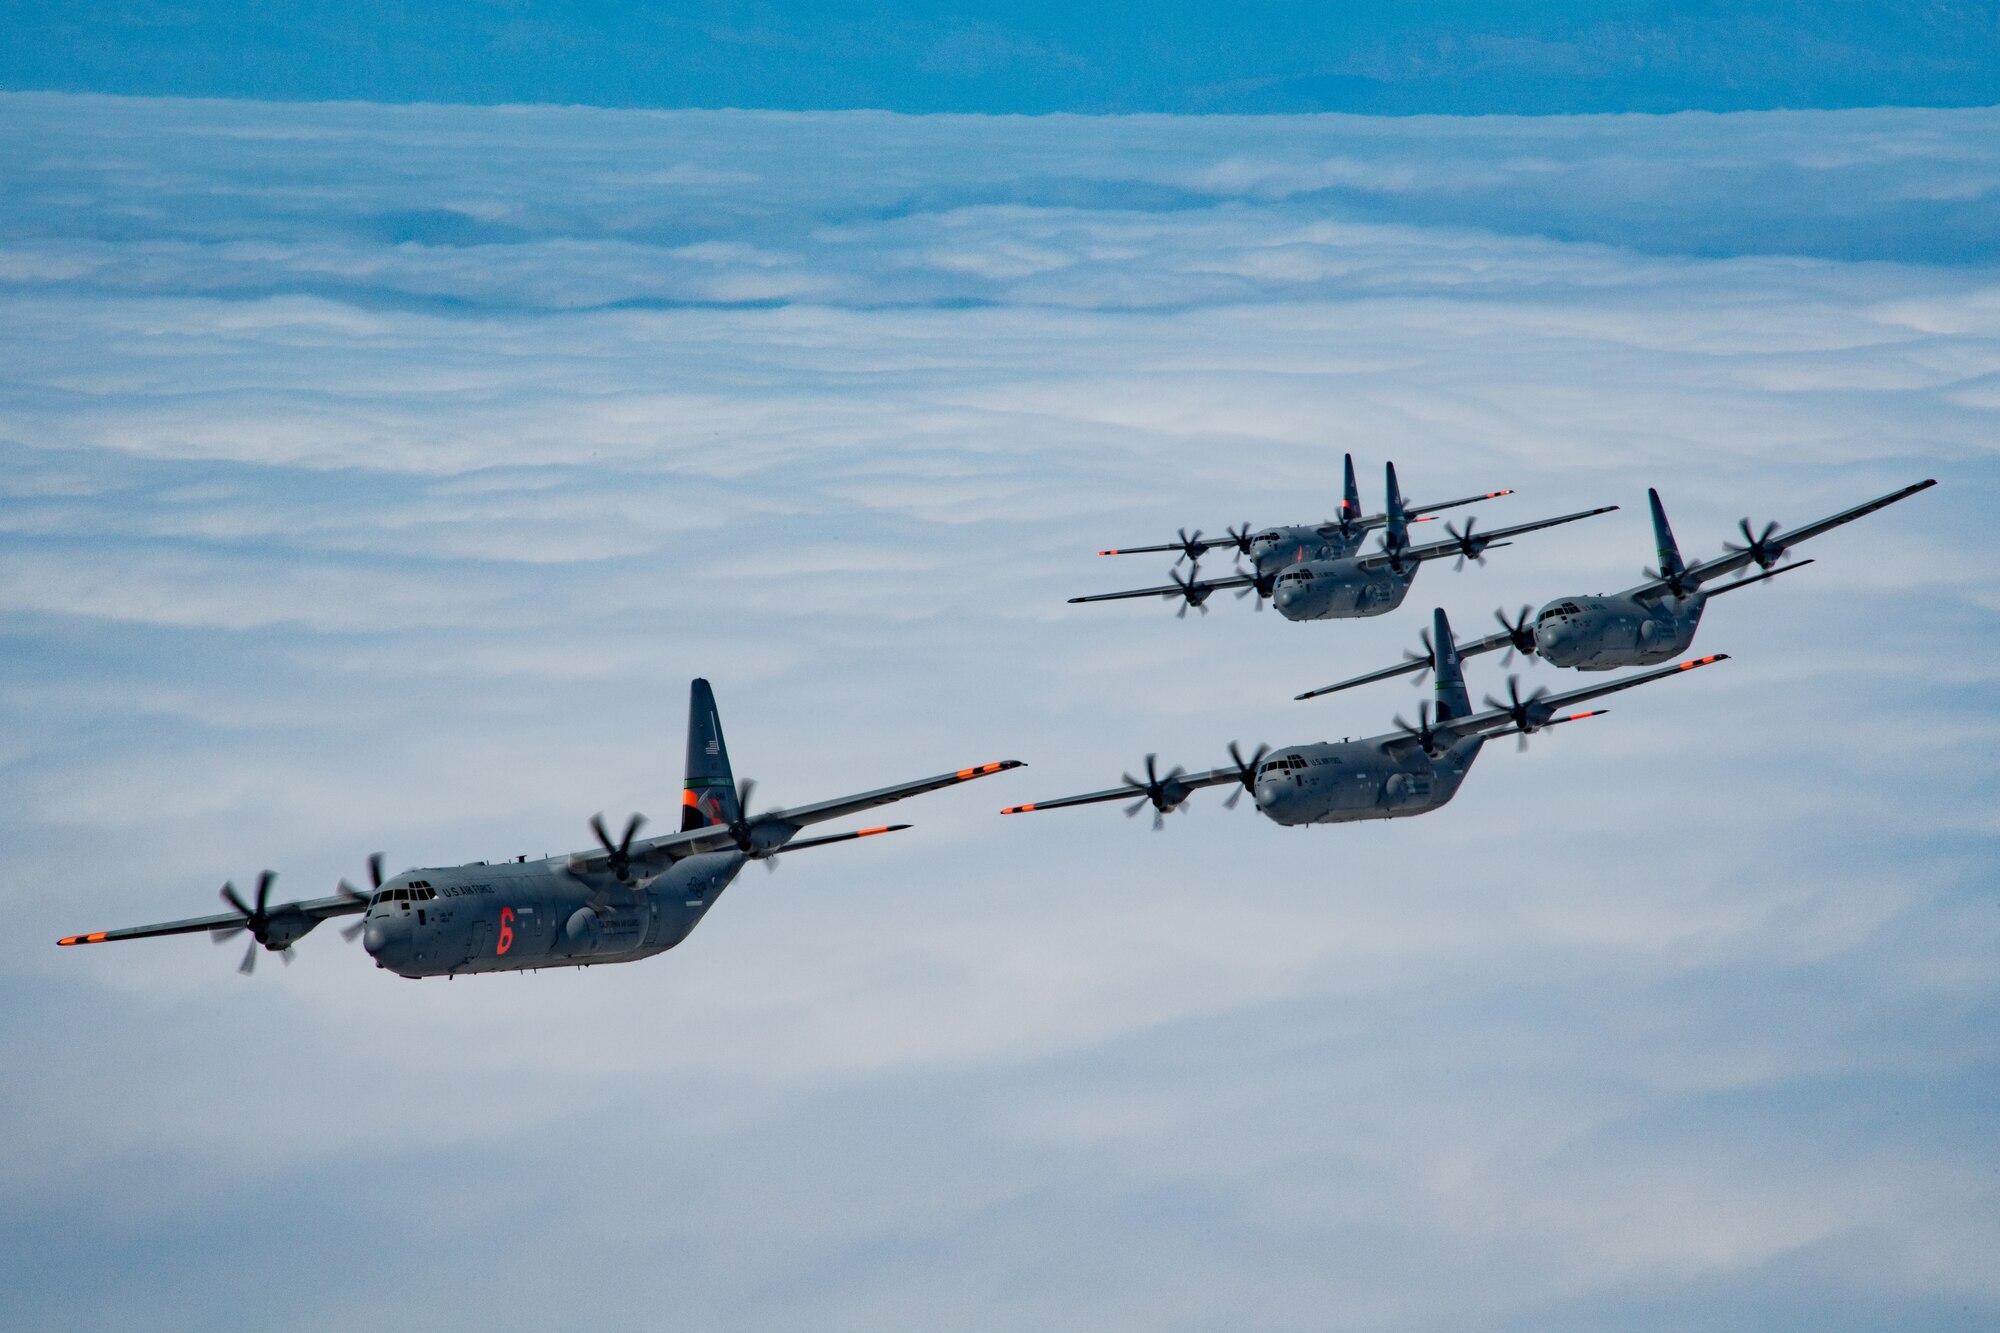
378,479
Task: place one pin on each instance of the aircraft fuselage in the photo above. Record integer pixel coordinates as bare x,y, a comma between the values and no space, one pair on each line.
1275,549
1339,783
1605,632
518,916
1339,590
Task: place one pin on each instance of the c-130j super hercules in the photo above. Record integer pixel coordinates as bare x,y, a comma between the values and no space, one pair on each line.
1409,771
1319,572
617,903
1652,622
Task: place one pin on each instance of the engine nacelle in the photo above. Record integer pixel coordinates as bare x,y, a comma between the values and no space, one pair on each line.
285,929
768,837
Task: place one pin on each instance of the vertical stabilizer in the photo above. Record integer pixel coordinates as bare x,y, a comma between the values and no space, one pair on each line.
1671,567
1350,504
1396,530
1452,700
710,793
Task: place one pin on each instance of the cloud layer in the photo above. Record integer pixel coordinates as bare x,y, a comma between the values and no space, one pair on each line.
378,478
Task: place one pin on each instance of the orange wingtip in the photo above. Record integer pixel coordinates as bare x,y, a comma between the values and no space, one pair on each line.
870,832
98,938
1108,553
1494,495
1594,712
981,770
1703,661
1017,809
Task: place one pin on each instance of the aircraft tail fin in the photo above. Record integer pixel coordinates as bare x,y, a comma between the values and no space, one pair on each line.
1396,528
1671,567
1350,506
709,796
1452,700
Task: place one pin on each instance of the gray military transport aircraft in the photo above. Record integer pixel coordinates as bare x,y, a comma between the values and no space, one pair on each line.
617,903
1650,623
1410,771
1320,573
1285,545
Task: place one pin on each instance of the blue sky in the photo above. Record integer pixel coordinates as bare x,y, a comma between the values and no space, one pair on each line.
1028,56
377,478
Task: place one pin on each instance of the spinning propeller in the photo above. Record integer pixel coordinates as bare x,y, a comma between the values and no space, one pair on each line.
1240,539
1759,548
1469,547
1246,772
1428,657
1164,793
619,854
743,828
1520,634
1261,584
1192,548
1678,583
1190,595
1422,732
352,894
1528,714
255,920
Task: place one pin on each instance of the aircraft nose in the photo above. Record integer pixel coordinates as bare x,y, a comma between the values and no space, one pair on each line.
375,937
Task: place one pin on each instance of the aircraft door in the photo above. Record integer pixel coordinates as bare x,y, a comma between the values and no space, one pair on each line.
482,940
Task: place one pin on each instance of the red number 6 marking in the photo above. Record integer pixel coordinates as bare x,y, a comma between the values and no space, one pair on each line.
506,931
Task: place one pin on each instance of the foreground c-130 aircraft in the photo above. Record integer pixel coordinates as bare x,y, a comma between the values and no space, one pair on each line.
1410,771
1652,622
618,903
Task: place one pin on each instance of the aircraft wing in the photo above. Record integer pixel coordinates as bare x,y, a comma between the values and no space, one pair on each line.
1483,540
1196,544
1196,588
1414,510
316,909
655,853
1411,662
853,805
1543,709
1193,782
1415,513
1739,558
